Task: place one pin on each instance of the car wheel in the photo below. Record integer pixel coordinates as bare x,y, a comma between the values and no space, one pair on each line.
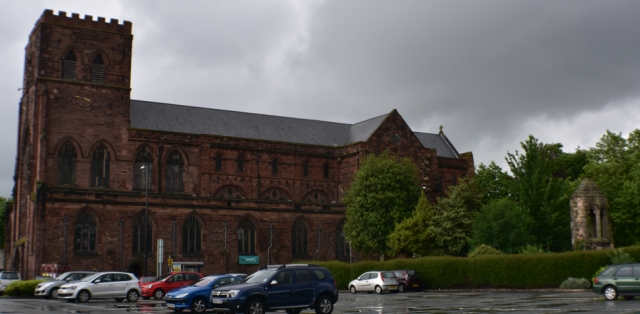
353,289
119,299
401,288
324,305
294,311
610,293
158,294
84,296
132,295
54,293
198,305
378,290
255,306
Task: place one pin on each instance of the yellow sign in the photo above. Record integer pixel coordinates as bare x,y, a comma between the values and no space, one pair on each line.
170,262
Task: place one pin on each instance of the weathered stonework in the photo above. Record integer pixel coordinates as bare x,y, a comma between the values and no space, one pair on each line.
590,222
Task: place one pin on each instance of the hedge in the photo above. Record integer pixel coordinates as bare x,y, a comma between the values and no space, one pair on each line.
515,271
22,288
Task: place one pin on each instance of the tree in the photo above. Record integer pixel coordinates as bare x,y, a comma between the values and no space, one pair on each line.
451,224
493,182
614,165
503,225
543,197
413,235
384,192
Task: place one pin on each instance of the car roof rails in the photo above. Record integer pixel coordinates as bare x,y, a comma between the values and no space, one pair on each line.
281,266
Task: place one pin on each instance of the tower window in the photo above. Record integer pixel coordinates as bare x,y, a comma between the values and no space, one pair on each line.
274,167
69,66
97,70
175,170
100,162
240,163
305,169
66,164
219,162
326,170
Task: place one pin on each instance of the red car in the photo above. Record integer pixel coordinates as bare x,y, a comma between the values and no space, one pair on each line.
408,279
167,282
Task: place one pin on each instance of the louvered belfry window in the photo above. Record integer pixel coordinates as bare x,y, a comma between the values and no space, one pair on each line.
175,169
191,236
142,179
100,161
342,247
97,70
299,238
69,66
246,237
85,233
66,164
139,234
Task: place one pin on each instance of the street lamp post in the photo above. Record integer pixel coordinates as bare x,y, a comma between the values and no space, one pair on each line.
146,217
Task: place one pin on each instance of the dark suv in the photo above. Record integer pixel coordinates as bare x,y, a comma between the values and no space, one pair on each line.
618,280
291,287
408,279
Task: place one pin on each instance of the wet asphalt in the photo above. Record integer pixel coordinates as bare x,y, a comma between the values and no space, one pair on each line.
409,302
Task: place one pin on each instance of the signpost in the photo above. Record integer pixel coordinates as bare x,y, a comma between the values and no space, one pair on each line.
160,254
170,263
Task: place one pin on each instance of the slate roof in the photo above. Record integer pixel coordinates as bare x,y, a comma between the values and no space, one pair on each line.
156,116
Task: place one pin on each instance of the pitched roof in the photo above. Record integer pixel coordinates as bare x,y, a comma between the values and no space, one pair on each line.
194,120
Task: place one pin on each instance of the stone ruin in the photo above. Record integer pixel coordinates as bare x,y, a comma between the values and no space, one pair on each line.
590,222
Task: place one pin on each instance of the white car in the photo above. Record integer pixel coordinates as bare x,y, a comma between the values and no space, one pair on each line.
7,277
104,285
49,289
378,281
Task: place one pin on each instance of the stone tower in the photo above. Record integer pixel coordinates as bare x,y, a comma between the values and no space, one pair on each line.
590,223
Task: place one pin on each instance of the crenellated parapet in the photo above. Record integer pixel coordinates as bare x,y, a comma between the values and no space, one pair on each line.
87,22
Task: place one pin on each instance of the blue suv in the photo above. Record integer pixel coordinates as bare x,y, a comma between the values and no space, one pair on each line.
291,287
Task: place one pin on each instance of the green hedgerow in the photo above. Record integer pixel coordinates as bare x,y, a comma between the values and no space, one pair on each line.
483,250
22,288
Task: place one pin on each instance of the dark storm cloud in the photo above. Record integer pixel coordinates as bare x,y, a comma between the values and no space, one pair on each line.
490,72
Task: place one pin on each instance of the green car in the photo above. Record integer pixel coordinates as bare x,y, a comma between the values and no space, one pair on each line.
618,280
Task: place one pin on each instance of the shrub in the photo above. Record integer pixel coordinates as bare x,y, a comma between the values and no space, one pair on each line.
618,256
22,288
575,283
532,249
484,250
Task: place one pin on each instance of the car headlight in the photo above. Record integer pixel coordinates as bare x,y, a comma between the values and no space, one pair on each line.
70,287
232,293
182,295
149,286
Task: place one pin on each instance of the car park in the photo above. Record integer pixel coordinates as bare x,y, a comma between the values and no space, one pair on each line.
195,297
618,280
7,277
407,280
49,289
291,287
375,281
167,282
103,285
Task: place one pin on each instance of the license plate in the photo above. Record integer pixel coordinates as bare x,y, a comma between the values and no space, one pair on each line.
392,287
171,305
217,301
415,285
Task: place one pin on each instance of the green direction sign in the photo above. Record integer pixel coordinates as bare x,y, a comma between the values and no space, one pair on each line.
249,259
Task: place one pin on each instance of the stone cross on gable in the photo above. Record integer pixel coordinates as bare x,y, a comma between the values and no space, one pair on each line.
441,128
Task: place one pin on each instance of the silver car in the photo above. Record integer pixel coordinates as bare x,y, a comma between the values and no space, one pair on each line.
49,289
7,277
378,281
104,285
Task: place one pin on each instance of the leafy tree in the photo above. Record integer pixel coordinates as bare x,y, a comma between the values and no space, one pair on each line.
501,224
492,181
543,197
384,192
451,224
571,165
484,250
3,219
413,234
614,165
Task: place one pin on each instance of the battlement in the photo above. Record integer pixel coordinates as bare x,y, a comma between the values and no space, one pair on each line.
87,22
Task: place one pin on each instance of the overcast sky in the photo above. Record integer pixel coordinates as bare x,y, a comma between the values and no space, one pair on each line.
489,72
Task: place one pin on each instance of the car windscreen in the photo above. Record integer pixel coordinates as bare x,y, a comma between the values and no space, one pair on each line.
205,281
148,279
388,274
260,276
162,277
63,276
9,276
90,278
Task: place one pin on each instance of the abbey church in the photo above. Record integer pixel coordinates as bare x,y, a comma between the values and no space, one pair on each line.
100,177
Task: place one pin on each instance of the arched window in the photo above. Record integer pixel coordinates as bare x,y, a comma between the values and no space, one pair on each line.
97,70
139,234
299,239
100,161
305,169
85,234
274,167
454,179
325,170
218,162
229,191
142,180
240,163
66,164
69,66
246,237
175,169
342,247
191,235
